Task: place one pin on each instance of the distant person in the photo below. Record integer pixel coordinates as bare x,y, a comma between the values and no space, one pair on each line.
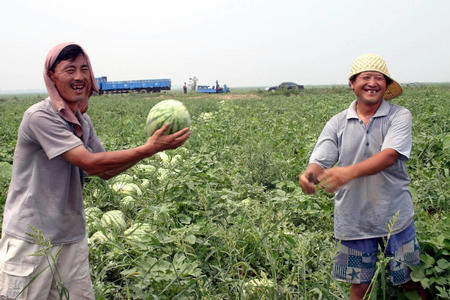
217,85
56,147
360,155
185,88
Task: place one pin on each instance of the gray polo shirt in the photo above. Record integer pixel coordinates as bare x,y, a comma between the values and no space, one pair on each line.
365,205
46,190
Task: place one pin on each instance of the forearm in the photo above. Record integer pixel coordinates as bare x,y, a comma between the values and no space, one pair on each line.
112,163
332,179
113,172
374,164
107,164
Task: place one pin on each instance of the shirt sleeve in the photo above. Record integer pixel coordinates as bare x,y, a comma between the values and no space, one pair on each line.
52,134
399,136
94,144
326,152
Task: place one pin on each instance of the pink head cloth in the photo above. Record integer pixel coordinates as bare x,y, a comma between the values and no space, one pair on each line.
57,101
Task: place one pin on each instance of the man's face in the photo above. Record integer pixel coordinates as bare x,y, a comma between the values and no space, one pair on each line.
369,87
72,79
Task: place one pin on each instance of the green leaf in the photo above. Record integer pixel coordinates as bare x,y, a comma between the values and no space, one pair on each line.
5,170
290,240
441,280
437,269
184,219
190,239
425,283
446,144
443,292
418,273
443,264
427,260
412,295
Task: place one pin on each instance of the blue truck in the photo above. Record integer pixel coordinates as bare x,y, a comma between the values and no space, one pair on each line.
138,86
212,89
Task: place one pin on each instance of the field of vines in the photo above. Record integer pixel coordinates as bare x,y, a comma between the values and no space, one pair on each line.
223,216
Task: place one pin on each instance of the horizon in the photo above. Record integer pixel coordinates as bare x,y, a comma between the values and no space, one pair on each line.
180,87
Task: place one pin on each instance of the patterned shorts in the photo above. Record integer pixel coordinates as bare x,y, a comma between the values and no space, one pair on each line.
356,260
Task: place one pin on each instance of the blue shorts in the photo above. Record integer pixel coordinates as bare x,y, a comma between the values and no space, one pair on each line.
356,260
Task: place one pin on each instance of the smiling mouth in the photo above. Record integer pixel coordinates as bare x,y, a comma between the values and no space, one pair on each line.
372,91
78,86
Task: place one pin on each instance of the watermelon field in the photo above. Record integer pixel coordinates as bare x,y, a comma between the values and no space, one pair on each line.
223,216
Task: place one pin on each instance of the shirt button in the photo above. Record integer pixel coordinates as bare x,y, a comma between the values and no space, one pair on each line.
367,144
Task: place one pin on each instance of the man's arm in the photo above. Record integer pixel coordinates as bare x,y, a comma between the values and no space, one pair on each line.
109,164
113,172
332,179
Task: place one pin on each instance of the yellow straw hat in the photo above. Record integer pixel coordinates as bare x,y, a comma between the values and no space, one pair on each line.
374,62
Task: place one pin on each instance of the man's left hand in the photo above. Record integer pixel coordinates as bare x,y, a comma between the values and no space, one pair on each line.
332,179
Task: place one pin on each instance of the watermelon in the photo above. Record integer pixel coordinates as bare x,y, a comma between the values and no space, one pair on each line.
125,188
92,218
147,169
127,202
98,237
167,111
139,233
123,178
114,219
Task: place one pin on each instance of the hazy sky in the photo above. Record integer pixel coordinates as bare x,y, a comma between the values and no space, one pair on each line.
238,42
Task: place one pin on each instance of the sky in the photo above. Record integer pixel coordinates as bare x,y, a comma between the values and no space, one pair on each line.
241,43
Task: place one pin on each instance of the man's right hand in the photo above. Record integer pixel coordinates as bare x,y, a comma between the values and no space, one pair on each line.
308,179
160,142
306,184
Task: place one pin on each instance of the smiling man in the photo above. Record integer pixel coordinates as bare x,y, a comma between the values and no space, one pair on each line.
360,155
56,147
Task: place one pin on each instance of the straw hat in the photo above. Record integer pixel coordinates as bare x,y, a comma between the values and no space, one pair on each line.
374,62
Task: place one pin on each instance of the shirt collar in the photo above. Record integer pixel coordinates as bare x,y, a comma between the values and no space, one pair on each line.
351,111
67,114
382,111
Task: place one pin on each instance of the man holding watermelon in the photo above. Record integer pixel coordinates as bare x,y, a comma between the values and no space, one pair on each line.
360,155
56,147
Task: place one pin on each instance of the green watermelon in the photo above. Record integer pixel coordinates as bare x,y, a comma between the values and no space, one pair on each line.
114,219
168,111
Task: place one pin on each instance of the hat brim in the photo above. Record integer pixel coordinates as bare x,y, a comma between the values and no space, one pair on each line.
393,90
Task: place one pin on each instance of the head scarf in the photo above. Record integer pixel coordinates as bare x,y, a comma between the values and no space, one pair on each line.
57,101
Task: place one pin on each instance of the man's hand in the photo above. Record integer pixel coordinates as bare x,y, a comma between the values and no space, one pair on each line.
308,179
332,179
160,142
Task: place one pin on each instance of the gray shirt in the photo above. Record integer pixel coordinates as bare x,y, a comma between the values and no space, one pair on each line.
46,190
365,205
